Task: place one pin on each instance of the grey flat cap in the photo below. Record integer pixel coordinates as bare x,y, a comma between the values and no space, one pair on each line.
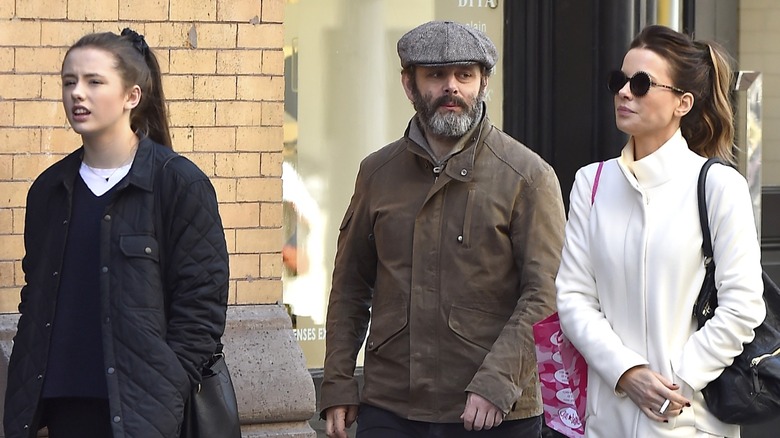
446,42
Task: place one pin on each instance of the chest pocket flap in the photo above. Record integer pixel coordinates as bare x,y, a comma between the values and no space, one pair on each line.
139,245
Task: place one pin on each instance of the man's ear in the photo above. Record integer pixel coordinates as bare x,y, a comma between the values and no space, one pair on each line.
133,97
685,105
406,81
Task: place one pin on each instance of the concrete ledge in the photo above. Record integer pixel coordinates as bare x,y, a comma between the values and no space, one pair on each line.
275,391
267,366
7,332
278,430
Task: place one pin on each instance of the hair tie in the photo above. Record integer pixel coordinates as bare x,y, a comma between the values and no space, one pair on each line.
710,54
137,39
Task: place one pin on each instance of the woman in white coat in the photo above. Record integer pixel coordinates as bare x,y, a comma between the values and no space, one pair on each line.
632,265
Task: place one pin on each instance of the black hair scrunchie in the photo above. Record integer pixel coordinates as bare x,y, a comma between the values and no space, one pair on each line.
137,39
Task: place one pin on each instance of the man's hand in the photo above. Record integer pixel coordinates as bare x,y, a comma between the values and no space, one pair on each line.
338,419
480,413
650,390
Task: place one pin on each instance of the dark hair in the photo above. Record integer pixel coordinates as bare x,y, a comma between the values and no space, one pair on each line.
703,69
137,65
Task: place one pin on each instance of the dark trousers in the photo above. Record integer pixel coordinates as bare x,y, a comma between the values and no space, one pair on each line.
77,418
374,422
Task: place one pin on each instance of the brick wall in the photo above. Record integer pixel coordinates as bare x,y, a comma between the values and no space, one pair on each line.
759,51
222,62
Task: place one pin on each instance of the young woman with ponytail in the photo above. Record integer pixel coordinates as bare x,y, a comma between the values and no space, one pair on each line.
632,264
126,267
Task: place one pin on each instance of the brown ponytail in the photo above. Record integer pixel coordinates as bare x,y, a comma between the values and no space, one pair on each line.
703,69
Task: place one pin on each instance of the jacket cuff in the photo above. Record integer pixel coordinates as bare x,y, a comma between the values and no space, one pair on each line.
342,393
622,368
494,390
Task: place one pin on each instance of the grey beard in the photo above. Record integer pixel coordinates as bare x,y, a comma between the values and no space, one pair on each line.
449,124
455,125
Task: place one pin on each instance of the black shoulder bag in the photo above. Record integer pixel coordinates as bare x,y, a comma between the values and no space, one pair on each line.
212,409
748,391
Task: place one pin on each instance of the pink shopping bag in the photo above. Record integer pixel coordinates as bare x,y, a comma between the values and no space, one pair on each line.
564,377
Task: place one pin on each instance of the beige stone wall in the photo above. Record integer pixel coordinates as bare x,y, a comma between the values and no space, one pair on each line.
222,62
759,50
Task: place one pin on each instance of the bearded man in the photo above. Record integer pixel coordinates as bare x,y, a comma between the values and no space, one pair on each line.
449,246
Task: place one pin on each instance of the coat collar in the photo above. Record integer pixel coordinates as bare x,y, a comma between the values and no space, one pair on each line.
460,165
658,167
141,173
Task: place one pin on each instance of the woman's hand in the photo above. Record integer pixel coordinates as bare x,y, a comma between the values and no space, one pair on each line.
650,391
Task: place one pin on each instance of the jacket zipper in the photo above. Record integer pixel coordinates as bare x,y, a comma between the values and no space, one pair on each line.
757,360
436,172
754,368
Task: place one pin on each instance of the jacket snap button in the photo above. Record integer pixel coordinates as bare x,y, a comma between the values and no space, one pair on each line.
26,426
110,370
371,344
107,217
65,222
54,274
460,239
48,324
148,250
117,419
104,269
40,376
464,172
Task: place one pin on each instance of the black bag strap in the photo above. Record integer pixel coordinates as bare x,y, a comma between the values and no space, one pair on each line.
706,243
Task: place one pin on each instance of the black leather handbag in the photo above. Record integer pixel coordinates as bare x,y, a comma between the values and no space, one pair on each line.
748,391
212,410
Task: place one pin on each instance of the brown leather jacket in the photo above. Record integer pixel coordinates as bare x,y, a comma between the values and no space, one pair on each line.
452,272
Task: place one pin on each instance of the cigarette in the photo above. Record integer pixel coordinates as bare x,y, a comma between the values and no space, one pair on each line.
664,407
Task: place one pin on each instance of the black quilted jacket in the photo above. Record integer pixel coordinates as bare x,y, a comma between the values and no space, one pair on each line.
156,333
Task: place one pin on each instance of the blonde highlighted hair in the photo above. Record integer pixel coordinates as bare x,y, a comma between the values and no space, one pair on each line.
703,69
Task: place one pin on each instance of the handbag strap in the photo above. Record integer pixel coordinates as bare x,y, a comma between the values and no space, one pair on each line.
596,183
706,243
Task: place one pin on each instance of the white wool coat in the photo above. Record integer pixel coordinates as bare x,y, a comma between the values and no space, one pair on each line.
631,269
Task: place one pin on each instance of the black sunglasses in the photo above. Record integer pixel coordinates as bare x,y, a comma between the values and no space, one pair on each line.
640,83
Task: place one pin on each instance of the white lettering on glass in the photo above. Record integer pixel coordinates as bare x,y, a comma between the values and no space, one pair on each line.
480,26
478,4
309,334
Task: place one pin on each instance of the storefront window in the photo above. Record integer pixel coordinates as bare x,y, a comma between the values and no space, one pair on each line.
344,100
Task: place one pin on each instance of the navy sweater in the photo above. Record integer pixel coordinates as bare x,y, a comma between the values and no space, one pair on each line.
75,366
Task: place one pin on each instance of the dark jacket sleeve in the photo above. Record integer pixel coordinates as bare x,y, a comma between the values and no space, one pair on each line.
195,263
